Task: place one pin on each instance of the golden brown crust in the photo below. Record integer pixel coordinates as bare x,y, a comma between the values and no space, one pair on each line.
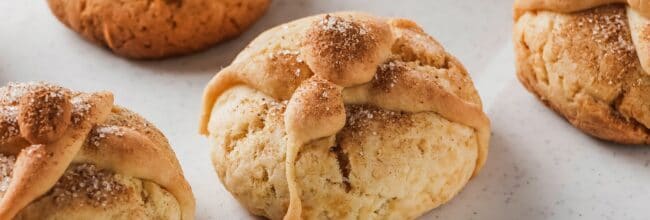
638,12
161,28
342,53
585,66
564,6
119,144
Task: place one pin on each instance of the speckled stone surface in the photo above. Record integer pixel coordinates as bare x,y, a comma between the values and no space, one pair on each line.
539,167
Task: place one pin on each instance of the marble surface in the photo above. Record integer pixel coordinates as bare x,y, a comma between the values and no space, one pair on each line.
539,167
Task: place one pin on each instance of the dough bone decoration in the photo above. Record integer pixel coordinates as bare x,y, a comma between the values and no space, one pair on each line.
48,129
334,60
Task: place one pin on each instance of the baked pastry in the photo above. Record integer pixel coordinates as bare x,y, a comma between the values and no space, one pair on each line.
589,61
344,116
160,28
72,155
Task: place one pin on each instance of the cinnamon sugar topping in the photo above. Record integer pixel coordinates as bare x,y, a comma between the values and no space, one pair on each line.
80,108
387,75
360,118
102,132
608,26
13,92
340,40
44,113
8,122
97,187
6,170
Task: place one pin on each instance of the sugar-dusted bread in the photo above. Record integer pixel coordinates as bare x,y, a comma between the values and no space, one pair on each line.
72,155
591,65
344,116
565,6
147,29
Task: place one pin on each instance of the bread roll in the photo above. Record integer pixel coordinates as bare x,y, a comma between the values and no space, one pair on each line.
344,116
591,66
71,155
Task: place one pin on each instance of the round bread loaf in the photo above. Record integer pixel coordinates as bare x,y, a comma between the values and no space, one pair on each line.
147,29
590,66
344,116
84,158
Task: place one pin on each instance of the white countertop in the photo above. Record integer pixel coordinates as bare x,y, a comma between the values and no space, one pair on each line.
539,167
